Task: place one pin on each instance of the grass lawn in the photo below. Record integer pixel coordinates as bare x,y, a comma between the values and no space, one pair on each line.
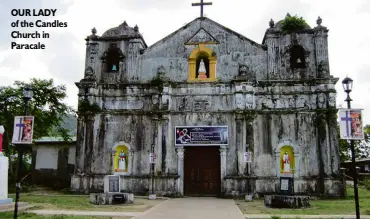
318,207
9,215
81,203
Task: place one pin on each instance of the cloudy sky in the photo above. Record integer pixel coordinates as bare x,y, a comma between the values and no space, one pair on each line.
63,59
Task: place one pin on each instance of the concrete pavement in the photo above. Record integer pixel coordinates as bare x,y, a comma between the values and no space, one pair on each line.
191,208
85,213
264,216
194,208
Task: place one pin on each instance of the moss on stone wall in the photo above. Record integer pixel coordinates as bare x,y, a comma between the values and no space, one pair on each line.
248,115
158,82
85,106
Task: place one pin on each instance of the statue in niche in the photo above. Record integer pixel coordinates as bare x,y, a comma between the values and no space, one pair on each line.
122,161
202,66
202,70
286,162
286,159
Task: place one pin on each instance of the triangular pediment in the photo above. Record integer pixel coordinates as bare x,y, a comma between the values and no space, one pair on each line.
202,36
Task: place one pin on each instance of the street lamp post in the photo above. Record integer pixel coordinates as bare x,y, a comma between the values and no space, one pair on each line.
347,86
27,96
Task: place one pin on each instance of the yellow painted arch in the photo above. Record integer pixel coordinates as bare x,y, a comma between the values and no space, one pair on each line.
290,151
193,60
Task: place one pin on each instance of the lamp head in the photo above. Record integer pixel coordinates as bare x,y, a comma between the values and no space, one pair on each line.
347,84
27,92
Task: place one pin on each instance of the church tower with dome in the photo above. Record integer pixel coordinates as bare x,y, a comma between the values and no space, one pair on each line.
206,111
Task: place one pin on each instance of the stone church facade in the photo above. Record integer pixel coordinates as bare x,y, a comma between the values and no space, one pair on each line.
276,100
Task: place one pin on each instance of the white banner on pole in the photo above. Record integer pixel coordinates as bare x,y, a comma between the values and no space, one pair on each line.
350,124
23,130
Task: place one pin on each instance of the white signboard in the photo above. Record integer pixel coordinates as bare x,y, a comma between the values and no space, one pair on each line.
284,185
152,158
23,130
247,157
350,123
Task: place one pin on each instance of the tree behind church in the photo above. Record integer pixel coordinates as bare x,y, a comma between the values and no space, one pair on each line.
46,106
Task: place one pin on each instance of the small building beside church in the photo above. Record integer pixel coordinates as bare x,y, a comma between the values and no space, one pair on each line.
53,161
217,113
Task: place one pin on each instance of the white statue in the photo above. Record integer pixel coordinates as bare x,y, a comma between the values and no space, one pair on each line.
122,161
286,162
202,67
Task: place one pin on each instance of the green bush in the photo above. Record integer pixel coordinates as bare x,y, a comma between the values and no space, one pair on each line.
293,23
366,184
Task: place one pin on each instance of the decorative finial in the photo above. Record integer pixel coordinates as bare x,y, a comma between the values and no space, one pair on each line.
136,28
93,31
124,24
271,23
319,21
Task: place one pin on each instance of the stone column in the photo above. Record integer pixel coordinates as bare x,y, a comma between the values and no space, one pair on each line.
113,153
180,169
80,142
240,144
321,138
245,166
155,125
158,161
272,42
333,141
321,49
4,167
164,145
130,161
223,151
89,143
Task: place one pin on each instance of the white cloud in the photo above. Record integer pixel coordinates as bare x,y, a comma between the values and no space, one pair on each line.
63,59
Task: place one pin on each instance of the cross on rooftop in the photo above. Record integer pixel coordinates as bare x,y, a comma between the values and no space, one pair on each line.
201,4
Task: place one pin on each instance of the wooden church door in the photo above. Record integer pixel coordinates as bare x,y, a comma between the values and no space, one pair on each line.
202,171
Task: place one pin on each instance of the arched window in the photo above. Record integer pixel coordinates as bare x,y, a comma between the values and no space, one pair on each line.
112,58
202,64
297,58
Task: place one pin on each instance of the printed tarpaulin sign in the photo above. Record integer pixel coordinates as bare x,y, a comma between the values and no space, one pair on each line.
350,123
23,130
201,135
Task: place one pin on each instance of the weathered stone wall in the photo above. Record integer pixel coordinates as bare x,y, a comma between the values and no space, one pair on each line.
266,104
232,50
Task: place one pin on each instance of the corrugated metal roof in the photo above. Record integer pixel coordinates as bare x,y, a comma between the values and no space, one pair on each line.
358,160
52,139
